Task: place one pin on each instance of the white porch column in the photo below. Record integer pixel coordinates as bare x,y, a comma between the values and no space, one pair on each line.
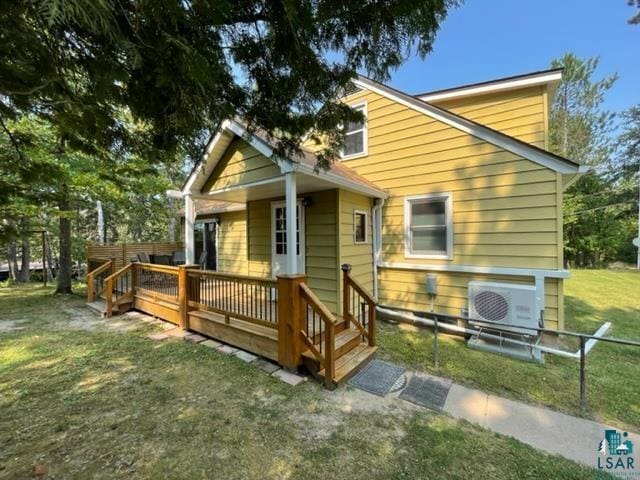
290,204
189,218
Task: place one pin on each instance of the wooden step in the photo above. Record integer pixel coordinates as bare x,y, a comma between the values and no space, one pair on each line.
351,362
99,306
344,341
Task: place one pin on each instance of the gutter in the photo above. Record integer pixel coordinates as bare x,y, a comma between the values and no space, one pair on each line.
377,241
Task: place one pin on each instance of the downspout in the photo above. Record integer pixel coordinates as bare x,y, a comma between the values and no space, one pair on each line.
377,241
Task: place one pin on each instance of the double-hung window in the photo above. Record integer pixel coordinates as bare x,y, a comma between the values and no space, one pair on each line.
355,142
428,226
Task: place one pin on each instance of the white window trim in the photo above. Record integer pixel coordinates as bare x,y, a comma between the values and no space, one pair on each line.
366,227
448,199
365,135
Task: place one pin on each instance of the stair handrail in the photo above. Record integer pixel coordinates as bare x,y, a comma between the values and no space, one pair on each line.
351,283
328,359
91,279
109,281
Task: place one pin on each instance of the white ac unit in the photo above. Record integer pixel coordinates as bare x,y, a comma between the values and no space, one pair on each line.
504,304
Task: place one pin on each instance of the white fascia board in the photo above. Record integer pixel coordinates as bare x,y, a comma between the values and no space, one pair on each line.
497,86
519,272
200,168
210,163
469,127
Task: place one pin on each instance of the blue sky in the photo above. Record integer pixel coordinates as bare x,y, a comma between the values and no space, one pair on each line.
486,39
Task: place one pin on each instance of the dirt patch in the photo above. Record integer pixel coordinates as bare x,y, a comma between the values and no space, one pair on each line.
11,325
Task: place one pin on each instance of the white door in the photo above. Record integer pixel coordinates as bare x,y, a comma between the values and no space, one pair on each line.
279,238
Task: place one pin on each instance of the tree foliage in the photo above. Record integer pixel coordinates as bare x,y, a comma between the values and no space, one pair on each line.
599,218
183,67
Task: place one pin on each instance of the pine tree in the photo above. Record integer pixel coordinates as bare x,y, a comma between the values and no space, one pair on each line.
603,447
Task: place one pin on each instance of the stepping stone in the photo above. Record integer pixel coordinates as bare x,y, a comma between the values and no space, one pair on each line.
288,377
211,344
177,332
227,349
266,365
195,338
426,391
245,356
158,337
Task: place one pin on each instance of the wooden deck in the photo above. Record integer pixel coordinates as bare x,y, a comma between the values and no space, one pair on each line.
280,319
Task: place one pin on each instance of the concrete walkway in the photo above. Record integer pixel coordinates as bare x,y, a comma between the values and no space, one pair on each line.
557,433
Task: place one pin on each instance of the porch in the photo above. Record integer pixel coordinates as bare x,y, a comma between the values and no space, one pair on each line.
278,318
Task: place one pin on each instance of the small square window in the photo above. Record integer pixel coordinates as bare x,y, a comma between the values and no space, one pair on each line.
360,227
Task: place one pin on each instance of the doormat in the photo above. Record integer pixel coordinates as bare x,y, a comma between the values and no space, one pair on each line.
377,377
427,392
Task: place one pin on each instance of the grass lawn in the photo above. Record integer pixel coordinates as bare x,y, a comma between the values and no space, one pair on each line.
591,298
89,402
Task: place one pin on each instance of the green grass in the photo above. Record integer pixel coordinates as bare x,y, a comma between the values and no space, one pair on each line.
113,405
591,298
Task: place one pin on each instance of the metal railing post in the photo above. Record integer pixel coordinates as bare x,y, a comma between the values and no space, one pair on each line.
583,389
435,343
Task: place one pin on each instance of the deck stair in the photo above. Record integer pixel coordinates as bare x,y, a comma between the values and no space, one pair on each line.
351,355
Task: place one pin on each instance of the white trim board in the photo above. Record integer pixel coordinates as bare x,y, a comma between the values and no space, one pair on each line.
494,137
515,272
495,86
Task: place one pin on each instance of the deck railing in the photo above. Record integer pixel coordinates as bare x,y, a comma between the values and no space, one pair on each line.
96,280
119,287
157,281
318,332
253,299
358,306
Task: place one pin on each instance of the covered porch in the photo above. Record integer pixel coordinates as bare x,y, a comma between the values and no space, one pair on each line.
294,257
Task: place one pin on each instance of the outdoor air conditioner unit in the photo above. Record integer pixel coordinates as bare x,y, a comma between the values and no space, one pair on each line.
504,304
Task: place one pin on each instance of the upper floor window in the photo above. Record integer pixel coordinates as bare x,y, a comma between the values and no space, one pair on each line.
428,226
355,143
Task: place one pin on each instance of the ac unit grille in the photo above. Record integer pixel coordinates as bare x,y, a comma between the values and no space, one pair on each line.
491,306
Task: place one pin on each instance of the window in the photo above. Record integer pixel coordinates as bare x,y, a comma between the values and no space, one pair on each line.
355,142
281,230
428,226
359,227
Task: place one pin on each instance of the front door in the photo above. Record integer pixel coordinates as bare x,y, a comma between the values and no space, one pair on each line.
279,238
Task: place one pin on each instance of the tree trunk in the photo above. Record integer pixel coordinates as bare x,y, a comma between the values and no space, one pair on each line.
25,261
52,267
12,259
100,226
25,253
64,272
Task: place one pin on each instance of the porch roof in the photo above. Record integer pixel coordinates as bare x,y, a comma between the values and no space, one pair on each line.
337,176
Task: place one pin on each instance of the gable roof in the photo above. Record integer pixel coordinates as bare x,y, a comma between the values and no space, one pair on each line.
305,162
511,144
541,77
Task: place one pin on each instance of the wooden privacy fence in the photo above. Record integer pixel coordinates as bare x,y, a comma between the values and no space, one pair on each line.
123,253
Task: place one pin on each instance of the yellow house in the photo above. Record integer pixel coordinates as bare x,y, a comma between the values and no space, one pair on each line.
456,183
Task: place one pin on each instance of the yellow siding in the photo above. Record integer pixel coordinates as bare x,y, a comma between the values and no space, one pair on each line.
232,244
359,256
320,255
512,112
321,249
506,209
406,288
241,164
259,214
